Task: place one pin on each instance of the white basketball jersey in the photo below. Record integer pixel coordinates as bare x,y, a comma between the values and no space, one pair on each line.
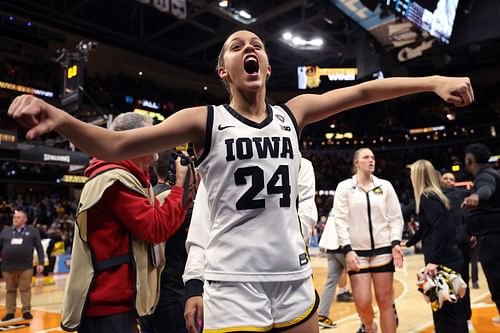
250,171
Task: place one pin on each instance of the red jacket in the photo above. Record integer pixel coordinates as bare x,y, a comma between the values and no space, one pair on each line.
119,213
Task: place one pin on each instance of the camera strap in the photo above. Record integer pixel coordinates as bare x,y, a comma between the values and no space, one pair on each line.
185,196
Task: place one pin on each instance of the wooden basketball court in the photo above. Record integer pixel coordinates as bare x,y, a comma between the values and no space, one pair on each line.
414,313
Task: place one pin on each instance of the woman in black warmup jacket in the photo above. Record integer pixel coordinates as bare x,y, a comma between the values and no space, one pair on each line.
437,233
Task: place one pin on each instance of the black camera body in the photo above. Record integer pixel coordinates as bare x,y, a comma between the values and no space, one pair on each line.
185,160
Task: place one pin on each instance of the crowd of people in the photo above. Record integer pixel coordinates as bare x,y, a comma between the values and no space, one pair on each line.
249,159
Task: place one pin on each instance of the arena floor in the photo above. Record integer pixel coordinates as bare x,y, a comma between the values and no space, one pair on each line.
414,313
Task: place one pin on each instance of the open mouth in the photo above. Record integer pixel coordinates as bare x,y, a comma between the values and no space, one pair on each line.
251,65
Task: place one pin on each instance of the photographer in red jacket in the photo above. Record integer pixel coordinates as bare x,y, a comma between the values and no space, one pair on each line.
115,266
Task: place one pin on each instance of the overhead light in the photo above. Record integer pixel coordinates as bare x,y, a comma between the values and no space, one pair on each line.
316,42
327,20
300,42
238,14
243,13
287,35
223,4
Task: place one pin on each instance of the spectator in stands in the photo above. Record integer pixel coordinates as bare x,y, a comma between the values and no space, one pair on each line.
483,215
5,213
16,245
115,264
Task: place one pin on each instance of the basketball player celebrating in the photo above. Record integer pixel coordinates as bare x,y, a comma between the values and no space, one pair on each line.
257,267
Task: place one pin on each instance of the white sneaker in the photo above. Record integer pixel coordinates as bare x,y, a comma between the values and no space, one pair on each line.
471,327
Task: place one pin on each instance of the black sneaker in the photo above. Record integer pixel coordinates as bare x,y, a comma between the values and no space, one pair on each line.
325,322
395,314
27,315
344,297
8,316
361,328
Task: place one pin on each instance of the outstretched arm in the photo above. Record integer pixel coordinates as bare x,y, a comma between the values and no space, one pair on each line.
309,108
40,118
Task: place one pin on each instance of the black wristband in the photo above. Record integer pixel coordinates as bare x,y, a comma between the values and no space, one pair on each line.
395,243
193,288
346,249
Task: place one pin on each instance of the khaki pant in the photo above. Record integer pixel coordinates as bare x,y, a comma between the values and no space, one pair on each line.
21,280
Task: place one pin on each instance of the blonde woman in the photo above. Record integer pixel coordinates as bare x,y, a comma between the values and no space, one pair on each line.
369,225
437,233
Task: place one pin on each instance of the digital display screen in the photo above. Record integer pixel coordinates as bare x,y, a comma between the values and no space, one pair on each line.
310,76
434,16
406,28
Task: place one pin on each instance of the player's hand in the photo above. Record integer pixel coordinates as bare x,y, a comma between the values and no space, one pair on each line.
39,269
193,314
471,201
35,114
431,270
352,262
455,90
398,256
181,172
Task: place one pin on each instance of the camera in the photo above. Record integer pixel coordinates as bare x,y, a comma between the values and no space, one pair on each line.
185,160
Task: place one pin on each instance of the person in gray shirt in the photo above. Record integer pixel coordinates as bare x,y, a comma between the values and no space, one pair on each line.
16,245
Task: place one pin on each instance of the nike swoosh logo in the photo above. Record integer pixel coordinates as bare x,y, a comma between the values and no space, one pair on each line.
220,128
